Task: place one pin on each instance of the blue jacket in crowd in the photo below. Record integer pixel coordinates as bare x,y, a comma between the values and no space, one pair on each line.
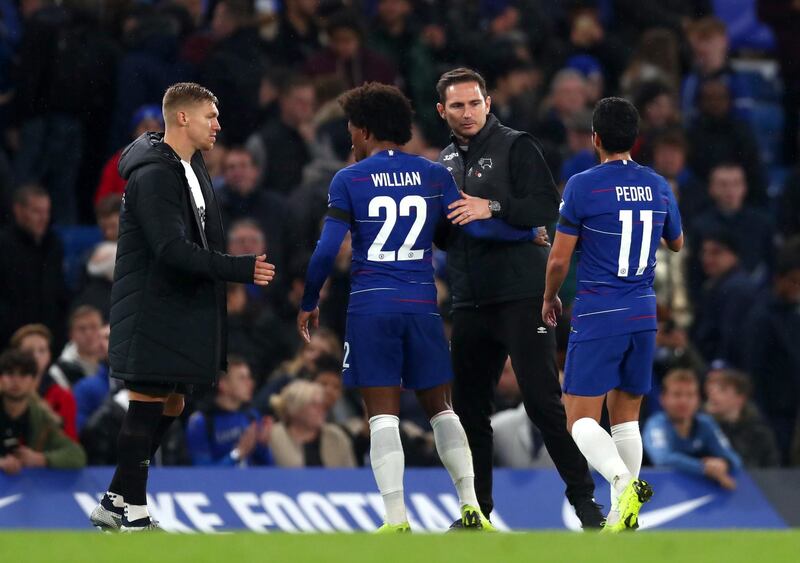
212,436
666,448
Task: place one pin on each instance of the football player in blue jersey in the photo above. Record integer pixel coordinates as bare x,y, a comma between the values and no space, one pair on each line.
391,203
614,215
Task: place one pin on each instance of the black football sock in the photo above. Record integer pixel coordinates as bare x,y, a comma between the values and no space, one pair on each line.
133,445
115,485
163,425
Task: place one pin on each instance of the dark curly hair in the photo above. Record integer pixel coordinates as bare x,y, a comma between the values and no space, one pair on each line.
380,109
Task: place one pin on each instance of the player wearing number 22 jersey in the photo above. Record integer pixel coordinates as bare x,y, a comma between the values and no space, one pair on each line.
619,211
391,203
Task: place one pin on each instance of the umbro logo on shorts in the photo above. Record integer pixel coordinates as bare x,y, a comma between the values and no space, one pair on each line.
541,330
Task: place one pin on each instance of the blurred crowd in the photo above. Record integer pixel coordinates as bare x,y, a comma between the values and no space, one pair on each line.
718,91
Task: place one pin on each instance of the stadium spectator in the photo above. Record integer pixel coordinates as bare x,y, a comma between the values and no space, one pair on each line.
518,443
342,406
723,301
772,333
512,86
36,339
657,57
234,67
718,136
658,110
255,333
146,118
303,365
149,65
30,437
752,229
669,159
569,95
580,154
297,38
729,403
228,432
90,392
633,17
673,351
395,36
107,212
241,197
708,38
89,271
302,438
684,439
83,353
280,147
32,285
346,59
96,291
589,39
63,100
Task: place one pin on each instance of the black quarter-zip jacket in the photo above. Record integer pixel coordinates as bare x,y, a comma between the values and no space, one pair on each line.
505,165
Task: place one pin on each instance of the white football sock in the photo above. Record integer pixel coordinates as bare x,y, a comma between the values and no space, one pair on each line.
116,499
599,450
453,449
388,463
135,512
628,440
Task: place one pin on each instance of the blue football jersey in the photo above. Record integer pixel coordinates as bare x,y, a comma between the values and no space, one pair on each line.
620,211
393,202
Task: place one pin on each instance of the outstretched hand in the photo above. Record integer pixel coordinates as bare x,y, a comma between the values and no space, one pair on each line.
304,318
264,271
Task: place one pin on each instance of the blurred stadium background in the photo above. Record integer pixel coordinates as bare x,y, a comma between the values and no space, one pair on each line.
717,83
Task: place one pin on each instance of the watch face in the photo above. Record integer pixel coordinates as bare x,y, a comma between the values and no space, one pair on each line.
494,206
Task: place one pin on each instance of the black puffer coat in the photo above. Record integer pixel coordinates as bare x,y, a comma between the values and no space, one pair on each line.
168,305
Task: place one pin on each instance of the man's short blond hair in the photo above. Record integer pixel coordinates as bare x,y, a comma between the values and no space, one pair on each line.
183,94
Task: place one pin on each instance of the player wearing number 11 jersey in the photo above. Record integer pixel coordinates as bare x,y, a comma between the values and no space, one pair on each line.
614,215
391,202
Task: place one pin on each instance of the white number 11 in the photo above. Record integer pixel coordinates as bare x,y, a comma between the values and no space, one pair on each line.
626,217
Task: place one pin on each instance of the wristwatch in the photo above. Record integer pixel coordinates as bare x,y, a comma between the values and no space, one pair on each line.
495,208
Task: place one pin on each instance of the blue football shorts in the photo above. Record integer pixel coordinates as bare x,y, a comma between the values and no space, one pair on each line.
624,362
396,349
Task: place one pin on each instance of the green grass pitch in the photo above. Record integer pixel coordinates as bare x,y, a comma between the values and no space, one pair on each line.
645,547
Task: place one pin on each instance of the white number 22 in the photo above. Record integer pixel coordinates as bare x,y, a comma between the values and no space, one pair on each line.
376,253
626,217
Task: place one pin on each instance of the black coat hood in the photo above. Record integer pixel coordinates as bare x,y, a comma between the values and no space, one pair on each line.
149,148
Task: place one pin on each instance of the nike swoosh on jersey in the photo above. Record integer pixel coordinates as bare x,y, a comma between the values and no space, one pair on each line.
647,518
9,500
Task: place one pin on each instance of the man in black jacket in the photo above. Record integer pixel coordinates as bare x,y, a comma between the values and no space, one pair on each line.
168,300
497,287
32,288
